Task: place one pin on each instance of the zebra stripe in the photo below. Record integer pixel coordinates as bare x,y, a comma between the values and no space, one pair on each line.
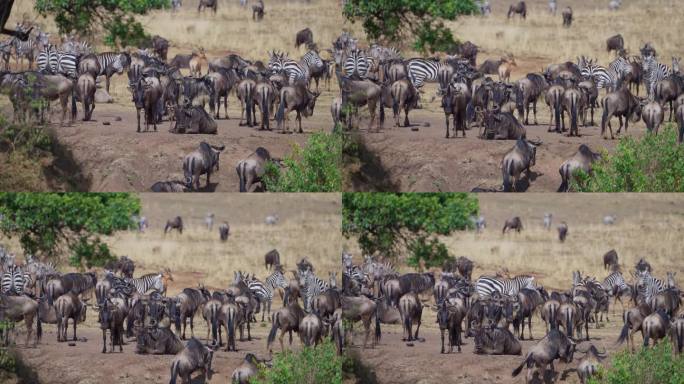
110,61
24,49
421,71
485,286
653,73
276,280
260,290
311,286
614,280
356,64
649,286
13,281
146,282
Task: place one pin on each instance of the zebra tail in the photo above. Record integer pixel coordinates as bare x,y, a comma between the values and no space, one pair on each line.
274,330
174,371
378,332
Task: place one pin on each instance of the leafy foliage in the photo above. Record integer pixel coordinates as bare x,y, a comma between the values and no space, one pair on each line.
319,365
654,365
393,223
45,223
650,164
396,20
314,168
29,139
115,17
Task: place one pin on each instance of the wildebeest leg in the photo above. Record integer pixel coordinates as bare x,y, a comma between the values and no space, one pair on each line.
620,127
137,112
299,121
290,333
446,115
107,76
442,332
417,329
529,326
74,329
104,341
249,332
406,119
185,325
534,109
192,318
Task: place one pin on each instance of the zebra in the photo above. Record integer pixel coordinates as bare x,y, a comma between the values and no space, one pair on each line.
24,49
280,62
653,73
485,286
422,70
609,78
111,63
276,280
356,64
13,281
144,283
615,285
67,64
311,287
262,292
649,286
314,65
47,59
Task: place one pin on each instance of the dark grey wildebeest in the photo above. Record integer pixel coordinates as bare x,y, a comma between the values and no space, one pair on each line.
581,160
514,223
520,9
169,186
147,97
160,46
496,341
192,120
297,98
305,36
251,169
85,88
680,121
574,103
555,345
528,91
194,357
610,259
615,43
204,4
516,161
455,103
567,16
502,126
411,310
620,103
264,98
562,231
68,306
175,223
258,10
653,115
202,161
271,258
224,231
405,96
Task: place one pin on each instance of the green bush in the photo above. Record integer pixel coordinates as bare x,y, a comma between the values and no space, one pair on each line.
650,164
28,139
319,365
315,168
432,252
654,365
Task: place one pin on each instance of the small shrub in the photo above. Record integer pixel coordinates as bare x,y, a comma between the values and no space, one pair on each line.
654,365
650,164
29,139
315,168
432,252
319,365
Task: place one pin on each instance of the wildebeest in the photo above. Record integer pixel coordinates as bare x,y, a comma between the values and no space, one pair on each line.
189,302
450,318
652,114
68,306
680,120
677,335
633,319
203,161
287,319
574,103
581,160
258,10
655,326
222,82
204,4
516,161
562,231
193,357
610,259
271,259
496,341
668,90
520,8
404,95
620,103
514,223
157,341
264,97
361,308
147,96
249,368
455,102
297,98
529,300
359,93
502,126
410,309
193,119
589,364
528,91
251,169
169,186
567,16
18,308
305,36
85,87
224,231
175,223
111,318
555,345
465,267
490,67
160,46
615,43
310,330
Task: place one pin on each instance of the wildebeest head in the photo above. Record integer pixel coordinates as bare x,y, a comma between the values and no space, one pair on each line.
526,147
310,104
138,90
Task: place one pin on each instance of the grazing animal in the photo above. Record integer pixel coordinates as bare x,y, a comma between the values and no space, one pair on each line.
193,357
450,318
502,126
147,97
615,43
589,364
224,231
18,308
404,95
581,160
251,169
249,368
519,159
610,259
677,335
455,103
529,300
528,91
667,91
175,223
111,318
305,36
204,4
655,326
297,98
652,114
514,223
258,10
287,319
496,341
567,16
520,9
310,330
562,231
505,68
68,306
555,345
620,103
361,308
272,259
203,161
410,309
85,87
574,103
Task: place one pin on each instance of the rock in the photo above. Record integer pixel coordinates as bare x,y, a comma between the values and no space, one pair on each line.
101,96
118,118
106,123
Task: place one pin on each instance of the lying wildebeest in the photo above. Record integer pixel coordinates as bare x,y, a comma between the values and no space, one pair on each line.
169,186
567,16
620,103
68,306
85,87
175,223
514,223
516,161
615,43
555,345
581,160
562,231
271,259
502,126
305,36
251,169
224,231
157,341
520,8
496,341
297,98
455,102
193,357
652,114
193,119
203,161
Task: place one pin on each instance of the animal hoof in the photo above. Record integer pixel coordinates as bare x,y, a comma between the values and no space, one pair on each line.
71,344
106,123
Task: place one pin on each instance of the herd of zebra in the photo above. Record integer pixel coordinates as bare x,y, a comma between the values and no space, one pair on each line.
139,307
486,307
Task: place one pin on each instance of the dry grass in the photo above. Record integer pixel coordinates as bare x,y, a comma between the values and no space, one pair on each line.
648,226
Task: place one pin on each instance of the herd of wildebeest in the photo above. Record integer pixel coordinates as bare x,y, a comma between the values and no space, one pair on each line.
486,308
137,311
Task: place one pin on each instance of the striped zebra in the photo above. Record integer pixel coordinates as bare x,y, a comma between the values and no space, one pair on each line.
485,286
276,280
421,71
280,62
13,281
607,78
311,286
314,65
147,282
653,73
649,286
51,60
47,59
111,63
263,294
24,49
356,64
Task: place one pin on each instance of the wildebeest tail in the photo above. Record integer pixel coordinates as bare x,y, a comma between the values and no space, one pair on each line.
39,325
174,371
51,295
557,112
395,103
230,321
553,317
565,176
274,330
74,110
280,114
241,175
378,332
214,323
604,118
680,138
573,113
625,330
264,110
528,361
679,331
507,169
250,105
